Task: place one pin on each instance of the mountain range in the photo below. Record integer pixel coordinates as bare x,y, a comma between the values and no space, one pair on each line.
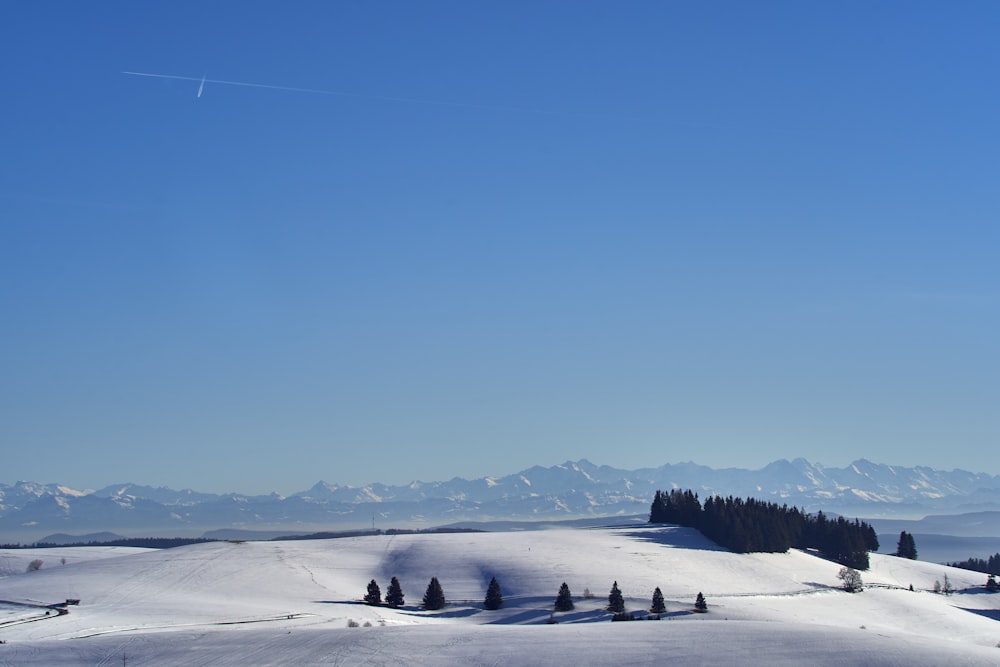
31,510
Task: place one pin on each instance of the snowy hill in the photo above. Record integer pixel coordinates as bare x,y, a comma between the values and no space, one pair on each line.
261,603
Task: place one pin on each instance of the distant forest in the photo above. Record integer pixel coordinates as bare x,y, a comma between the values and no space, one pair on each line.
751,525
170,542
377,531
989,565
147,542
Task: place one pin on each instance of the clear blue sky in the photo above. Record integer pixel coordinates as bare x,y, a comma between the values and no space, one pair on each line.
639,233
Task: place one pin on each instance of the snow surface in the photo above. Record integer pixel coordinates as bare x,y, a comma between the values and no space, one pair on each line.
281,603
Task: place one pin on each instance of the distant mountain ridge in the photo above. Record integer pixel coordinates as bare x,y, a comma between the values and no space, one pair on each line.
572,489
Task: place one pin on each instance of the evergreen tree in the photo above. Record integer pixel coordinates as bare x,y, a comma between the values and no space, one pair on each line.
656,508
493,598
658,607
906,547
434,596
991,584
564,601
616,603
394,596
374,595
699,603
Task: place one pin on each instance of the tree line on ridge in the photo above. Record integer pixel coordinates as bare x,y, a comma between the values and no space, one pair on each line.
751,525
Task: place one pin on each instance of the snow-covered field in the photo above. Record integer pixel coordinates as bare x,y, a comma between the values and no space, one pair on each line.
284,603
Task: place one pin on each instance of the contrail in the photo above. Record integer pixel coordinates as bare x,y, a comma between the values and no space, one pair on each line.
381,98
203,81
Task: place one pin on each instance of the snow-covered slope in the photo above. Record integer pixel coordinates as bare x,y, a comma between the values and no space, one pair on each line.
258,603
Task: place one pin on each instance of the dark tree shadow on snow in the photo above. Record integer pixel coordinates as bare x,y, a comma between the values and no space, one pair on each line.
988,613
460,612
675,536
819,586
978,590
525,617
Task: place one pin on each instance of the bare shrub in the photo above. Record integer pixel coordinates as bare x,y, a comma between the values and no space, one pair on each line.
852,580
35,565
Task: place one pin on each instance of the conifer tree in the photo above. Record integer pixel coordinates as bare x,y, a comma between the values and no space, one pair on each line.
616,603
658,607
906,547
434,596
394,596
699,603
493,598
564,601
374,594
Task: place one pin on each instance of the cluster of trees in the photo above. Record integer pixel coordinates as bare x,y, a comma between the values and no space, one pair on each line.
433,597
616,601
393,597
752,525
906,547
989,565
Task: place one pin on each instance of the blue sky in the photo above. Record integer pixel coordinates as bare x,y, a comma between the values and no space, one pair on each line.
519,233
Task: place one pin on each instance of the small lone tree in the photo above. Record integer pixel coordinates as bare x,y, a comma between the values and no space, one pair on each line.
906,547
394,596
851,579
700,605
991,584
947,588
494,600
374,594
433,596
657,607
564,601
616,603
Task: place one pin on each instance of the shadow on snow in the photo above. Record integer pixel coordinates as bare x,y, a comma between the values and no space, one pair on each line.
675,536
